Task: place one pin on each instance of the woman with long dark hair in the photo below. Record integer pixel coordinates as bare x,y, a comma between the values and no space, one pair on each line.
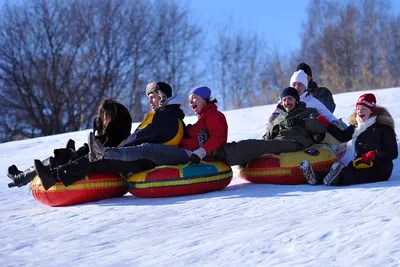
111,126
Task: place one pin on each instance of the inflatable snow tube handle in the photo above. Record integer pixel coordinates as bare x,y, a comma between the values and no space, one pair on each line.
359,164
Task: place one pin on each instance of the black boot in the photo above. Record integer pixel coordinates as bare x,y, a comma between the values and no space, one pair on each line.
96,149
70,145
220,154
12,171
23,178
47,176
63,156
66,177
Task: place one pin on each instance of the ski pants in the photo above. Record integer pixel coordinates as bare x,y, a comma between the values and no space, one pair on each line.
158,153
237,153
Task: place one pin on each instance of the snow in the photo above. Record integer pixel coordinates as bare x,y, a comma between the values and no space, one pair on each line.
242,225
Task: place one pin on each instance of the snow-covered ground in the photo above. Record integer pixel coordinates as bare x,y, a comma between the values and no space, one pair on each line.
243,225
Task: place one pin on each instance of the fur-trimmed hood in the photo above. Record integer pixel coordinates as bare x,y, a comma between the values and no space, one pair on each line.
382,117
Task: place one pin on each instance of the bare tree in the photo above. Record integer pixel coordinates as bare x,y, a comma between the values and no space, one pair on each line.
275,76
179,46
238,62
55,65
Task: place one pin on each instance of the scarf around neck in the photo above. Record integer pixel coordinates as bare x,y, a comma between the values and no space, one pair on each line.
361,127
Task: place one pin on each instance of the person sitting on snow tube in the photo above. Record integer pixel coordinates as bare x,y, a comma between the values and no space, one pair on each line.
295,129
202,138
374,144
321,93
112,126
299,81
162,125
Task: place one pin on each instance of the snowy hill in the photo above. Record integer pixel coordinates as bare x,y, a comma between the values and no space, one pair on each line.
243,225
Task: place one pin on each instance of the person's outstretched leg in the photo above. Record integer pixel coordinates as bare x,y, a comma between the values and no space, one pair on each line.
158,153
237,153
23,178
74,171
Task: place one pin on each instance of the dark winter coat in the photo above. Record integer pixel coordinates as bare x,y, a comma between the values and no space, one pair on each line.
112,136
118,129
162,126
380,137
322,94
210,131
299,125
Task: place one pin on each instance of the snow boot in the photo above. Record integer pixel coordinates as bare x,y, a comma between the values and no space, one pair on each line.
66,178
12,171
63,156
22,178
96,149
308,172
332,178
70,145
46,175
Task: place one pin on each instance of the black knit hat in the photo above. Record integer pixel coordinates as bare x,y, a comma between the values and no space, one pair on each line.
305,67
290,91
159,86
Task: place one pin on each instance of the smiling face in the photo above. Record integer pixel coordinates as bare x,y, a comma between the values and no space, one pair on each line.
288,102
363,112
299,87
196,103
154,101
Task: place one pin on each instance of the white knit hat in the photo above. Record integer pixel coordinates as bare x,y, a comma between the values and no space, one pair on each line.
299,76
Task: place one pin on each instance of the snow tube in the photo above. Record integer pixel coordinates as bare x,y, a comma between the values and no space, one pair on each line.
284,168
90,188
180,180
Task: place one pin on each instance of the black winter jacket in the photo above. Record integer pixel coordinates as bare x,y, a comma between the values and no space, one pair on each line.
322,94
380,137
163,126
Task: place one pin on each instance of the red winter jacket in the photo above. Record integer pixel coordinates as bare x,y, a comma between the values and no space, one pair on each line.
211,129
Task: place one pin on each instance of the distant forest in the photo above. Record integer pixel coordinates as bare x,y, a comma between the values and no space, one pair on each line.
59,59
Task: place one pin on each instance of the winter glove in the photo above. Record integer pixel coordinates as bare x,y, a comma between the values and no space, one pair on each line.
323,120
197,156
295,121
194,159
369,156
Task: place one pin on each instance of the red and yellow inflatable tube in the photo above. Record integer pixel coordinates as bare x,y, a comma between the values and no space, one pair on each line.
284,168
180,180
91,188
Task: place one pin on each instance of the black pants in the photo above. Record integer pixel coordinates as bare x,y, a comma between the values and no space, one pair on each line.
237,153
378,173
82,167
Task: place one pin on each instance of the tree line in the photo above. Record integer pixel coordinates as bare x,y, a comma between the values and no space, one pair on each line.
59,59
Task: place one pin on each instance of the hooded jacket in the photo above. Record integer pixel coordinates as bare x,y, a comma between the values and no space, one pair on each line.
162,126
380,137
310,101
322,94
301,133
210,131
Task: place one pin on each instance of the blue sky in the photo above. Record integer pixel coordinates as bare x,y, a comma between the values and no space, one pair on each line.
279,22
